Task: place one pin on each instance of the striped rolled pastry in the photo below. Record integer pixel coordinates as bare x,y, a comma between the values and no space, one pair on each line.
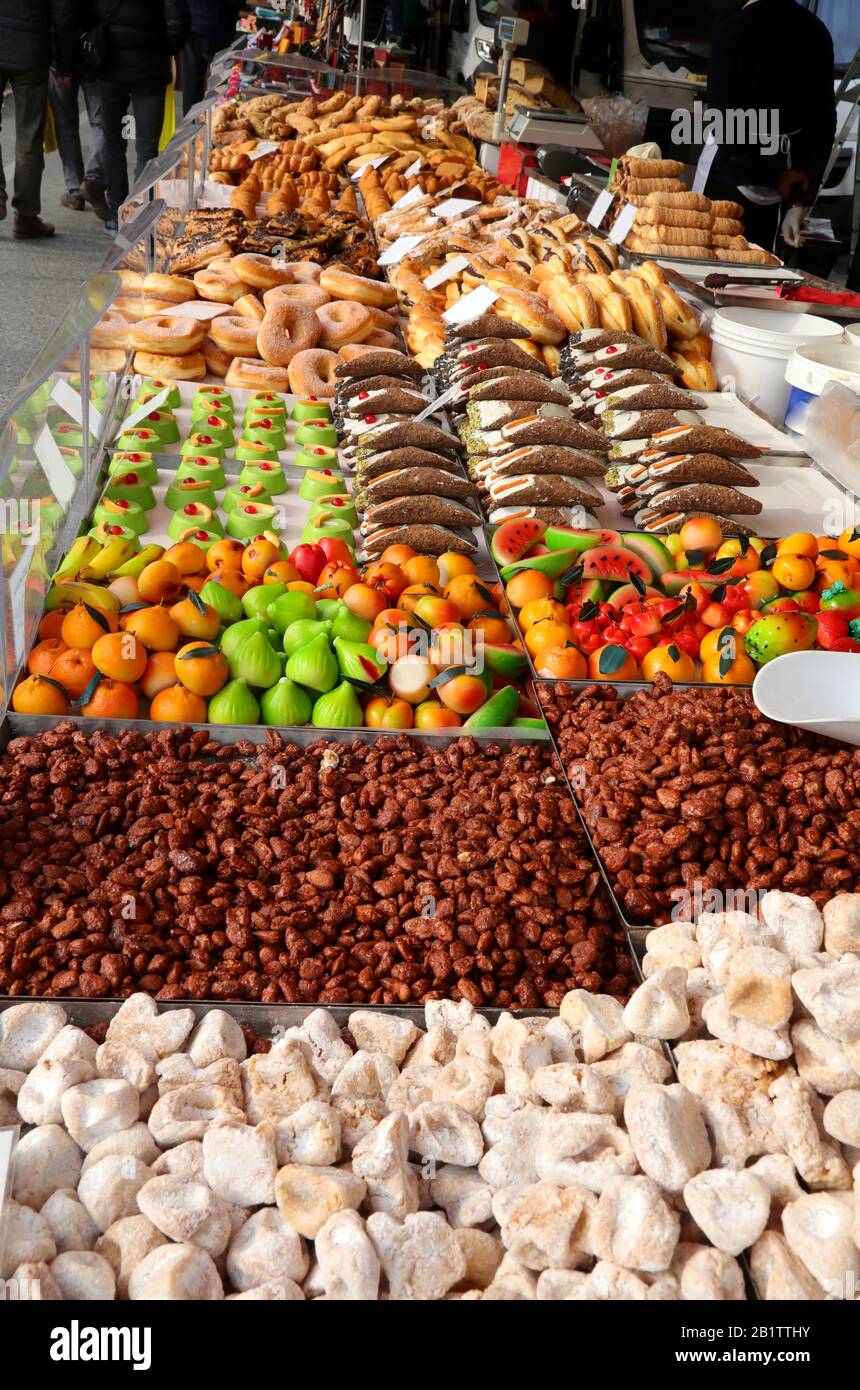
675,236
696,202
661,215
650,168
728,226
722,208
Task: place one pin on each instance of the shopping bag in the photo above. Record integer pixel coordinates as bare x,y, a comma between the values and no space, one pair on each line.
49,135
168,129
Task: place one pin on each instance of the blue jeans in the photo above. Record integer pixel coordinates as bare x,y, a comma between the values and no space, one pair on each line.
65,106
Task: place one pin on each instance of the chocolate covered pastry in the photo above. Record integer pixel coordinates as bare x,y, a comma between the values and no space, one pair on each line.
706,497
546,458
541,488
404,510
425,539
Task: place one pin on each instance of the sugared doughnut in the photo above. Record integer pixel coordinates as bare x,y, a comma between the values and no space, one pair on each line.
217,360
129,305
344,322
220,284
305,270
260,271
342,284
176,336
190,367
235,335
111,331
250,307
301,293
175,289
311,373
106,360
251,372
286,330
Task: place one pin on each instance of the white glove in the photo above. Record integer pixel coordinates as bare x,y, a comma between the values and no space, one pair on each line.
792,225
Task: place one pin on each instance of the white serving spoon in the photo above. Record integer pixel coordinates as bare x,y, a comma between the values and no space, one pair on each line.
818,691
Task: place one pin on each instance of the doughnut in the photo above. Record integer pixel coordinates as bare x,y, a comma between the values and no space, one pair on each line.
351,350
154,308
342,322
235,335
342,284
111,331
302,293
260,271
382,318
311,373
380,339
129,305
286,330
131,279
250,307
251,372
217,360
176,336
305,270
175,289
106,359
219,284
190,367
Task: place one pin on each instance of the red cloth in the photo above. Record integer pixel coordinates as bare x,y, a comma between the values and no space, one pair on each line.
811,295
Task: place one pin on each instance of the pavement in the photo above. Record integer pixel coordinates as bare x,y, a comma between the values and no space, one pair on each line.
40,279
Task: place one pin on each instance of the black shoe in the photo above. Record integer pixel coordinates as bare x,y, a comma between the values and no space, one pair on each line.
3,211
74,201
95,196
28,228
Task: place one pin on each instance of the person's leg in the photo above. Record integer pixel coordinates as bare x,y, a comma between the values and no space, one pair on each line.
114,103
30,90
148,110
94,172
195,62
64,106
4,78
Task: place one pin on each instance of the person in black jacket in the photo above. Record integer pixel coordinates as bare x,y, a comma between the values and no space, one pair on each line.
34,35
213,27
141,37
777,57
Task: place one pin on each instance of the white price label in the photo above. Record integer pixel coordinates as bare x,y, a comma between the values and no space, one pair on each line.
61,479
455,207
602,204
414,168
369,164
142,411
446,272
471,305
414,195
622,224
264,147
440,401
200,309
399,248
71,402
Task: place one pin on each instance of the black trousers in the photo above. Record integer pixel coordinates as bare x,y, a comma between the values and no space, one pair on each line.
30,92
761,221
143,126
196,57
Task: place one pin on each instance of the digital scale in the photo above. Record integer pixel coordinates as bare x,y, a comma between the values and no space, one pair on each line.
540,127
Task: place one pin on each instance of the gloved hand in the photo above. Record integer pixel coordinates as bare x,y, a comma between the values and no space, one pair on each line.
792,224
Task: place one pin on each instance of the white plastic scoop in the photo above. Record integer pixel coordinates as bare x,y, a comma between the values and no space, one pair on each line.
818,691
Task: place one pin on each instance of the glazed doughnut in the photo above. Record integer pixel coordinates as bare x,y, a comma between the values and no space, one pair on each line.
260,271
305,270
219,284
251,372
175,289
351,350
343,322
235,335
311,373
250,307
342,284
176,336
217,360
286,330
191,367
380,339
301,293
111,331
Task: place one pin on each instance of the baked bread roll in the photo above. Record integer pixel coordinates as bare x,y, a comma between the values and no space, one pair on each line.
680,319
615,312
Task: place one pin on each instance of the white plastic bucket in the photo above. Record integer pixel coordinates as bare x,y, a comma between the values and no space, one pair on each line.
753,346
808,372
852,331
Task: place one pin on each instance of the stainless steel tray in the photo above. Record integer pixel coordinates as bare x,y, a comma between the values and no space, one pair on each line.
28,725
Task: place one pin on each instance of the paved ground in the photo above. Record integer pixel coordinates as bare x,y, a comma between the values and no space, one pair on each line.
39,279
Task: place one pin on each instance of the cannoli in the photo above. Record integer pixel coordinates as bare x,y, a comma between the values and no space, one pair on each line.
642,398
404,510
631,167
662,232
728,226
540,488
494,352
384,401
625,476
381,361
703,439
354,386
553,516
495,414
605,379
519,386
412,482
424,539
665,523
376,465
695,202
645,424
667,216
618,355
722,208
546,458
697,468
554,429
484,326
353,426
481,376
399,434
706,497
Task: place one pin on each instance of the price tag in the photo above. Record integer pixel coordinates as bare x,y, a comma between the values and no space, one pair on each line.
414,195
369,164
217,195
141,412
72,404
471,305
446,272
399,248
454,207
440,401
200,309
622,224
60,477
602,204
265,147
414,168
